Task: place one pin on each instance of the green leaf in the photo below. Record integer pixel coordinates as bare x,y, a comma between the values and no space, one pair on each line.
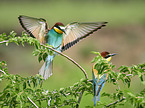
37,44
28,82
34,83
36,52
7,43
131,94
143,82
40,57
12,34
44,56
23,43
24,85
95,52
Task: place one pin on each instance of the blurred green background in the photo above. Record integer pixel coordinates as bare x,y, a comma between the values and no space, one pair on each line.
124,35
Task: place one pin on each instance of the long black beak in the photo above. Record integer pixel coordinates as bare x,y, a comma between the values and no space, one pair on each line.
110,55
113,54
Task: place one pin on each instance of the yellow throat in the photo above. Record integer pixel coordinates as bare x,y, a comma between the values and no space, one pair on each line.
108,59
58,30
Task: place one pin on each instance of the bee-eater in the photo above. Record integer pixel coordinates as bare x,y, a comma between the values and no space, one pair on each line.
99,80
59,36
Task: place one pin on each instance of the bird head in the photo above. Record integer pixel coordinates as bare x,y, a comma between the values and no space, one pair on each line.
107,55
59,28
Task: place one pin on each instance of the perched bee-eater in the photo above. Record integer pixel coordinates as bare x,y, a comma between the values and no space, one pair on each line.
59,36
99,80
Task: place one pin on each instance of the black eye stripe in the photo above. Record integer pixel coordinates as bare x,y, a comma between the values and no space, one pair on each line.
58,27
107,56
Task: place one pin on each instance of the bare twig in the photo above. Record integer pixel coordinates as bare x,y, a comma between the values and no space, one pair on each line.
3,41
117,85
2,71
86,76
115,102
79,100
32,102
70,59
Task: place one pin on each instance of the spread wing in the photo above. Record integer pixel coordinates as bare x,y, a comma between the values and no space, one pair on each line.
77,31
34,27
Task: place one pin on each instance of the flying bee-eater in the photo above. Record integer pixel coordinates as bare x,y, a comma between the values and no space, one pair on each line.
59,36
99,80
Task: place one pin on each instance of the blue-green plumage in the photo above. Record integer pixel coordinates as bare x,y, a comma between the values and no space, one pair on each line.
59,36
54,39
99,80
97,87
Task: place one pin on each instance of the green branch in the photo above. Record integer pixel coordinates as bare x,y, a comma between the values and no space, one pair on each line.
28,86
70,59
115,102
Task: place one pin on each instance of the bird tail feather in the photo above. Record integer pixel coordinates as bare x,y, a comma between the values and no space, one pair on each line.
46,69
95,99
